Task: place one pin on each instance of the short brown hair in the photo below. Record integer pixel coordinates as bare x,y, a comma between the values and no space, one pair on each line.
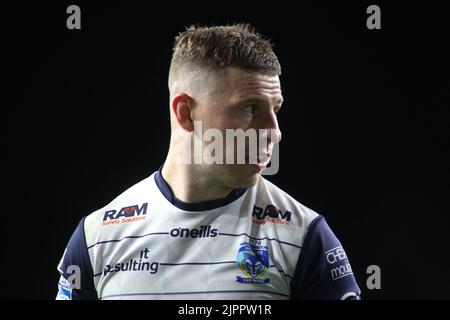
237,45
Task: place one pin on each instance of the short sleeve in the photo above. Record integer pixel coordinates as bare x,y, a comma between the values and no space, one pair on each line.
323,269
76,274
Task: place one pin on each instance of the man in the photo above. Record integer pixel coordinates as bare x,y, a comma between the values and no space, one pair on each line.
202,229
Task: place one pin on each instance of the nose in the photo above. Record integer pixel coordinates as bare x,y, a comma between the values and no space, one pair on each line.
270,122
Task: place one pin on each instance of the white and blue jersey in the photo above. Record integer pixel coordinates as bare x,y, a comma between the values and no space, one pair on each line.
257,243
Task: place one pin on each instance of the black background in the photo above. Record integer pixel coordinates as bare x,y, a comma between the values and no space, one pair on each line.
365,126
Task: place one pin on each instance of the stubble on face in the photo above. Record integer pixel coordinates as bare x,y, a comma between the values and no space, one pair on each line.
221,109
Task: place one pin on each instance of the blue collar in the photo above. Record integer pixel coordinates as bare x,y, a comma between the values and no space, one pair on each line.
167,192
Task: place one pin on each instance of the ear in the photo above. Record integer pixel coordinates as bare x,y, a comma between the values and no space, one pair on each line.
181,107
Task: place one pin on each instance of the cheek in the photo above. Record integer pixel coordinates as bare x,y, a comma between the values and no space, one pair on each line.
221,122
222,119
240,121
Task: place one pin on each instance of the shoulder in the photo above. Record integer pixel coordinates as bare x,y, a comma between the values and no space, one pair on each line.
130,204
274,203
323,270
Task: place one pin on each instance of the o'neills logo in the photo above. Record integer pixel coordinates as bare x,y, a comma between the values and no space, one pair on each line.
203,232
125,215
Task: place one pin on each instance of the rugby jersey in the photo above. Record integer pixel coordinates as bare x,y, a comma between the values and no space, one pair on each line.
256,243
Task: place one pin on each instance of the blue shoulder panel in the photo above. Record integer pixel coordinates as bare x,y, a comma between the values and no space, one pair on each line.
76,281
323,270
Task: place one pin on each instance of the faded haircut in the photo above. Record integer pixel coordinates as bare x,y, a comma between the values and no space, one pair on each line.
219,47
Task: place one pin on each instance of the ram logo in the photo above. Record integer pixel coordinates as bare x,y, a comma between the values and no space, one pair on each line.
270,214
126,212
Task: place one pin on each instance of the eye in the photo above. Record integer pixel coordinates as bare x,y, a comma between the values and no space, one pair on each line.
250,109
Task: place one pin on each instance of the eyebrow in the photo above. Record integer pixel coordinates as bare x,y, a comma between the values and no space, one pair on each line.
278,102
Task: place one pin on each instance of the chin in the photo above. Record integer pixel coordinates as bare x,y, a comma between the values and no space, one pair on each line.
244,176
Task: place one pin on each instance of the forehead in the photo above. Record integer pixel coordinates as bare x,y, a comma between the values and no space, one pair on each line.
244,84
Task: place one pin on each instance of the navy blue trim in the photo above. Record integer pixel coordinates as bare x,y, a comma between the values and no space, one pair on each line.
264,238
165,233
309,234
297,283
285,274
313,277
194,263
220,234
127,237
193,292
167,192
204,263
76,254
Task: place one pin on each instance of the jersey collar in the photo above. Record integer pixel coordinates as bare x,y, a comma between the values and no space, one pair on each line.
167,192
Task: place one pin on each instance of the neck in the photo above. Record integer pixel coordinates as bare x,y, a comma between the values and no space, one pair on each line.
188,182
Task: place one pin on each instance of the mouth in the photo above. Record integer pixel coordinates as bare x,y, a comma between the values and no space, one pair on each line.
259,166
259,163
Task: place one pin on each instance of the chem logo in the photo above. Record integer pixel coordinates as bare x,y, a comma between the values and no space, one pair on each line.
253,260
